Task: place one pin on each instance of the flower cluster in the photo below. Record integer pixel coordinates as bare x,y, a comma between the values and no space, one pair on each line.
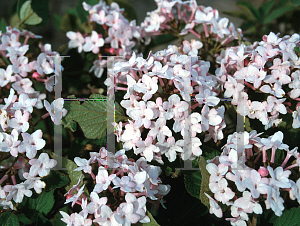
171,15
236,183
153,78
118,39
270,67
134,182
19,156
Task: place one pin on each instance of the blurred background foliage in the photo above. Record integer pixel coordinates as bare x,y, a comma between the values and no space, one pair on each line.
271,15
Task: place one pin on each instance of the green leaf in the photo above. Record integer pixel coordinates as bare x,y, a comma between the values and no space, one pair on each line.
70,166
3,25
41,220
151,223
56,20
92,115
164,38
23,219
41,8
192,180
37,204
55,180
69,22
266,7
28,16
129,12
56,220
238,14
277,13
204,183
289,217
9,219
66,121
252,9
19,6
295,2
209,153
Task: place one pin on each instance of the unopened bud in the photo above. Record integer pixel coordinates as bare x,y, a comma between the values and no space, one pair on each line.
263,171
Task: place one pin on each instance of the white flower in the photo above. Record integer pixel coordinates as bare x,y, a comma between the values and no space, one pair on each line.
34,182
19,122
214,207
17,192
103,180
83,164
76,40
31,143
42,165
25,103
296,118
56,105
5,76
279,178
146,148
42,65
93,43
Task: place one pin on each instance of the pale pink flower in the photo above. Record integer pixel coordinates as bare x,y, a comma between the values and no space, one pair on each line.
42,165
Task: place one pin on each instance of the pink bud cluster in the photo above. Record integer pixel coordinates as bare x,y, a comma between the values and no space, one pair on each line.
134,182
239,179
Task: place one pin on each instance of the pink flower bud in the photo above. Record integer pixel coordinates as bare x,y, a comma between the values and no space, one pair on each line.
36,75
263,171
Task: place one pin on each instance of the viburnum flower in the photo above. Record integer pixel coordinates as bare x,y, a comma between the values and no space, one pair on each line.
75,197
20,121
146,148
25,103
9,101
96,203
279,178
42,65
220,27
274,142
31,143
5,76
274,201
77,40
42,165
56,105
214,207
93,43
296,116
10,142
20,65
75,219
22,85
49,83
169,148
216,172
248,204
154,21
34,182
103,180
160,130
17,192
83,164
190,147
